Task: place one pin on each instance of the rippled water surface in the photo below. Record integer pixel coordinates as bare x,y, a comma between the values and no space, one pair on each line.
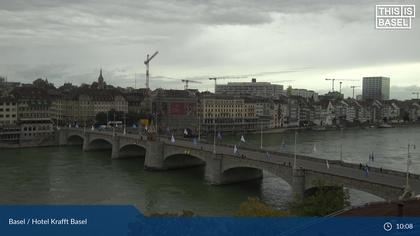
67,175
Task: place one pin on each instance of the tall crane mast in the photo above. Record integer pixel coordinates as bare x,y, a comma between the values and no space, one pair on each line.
226,77
186,81
353,87
417,93
146,62
333,80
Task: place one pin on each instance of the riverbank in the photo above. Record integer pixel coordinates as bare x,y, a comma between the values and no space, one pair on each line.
49,141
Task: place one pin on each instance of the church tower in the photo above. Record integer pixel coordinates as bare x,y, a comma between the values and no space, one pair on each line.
101,83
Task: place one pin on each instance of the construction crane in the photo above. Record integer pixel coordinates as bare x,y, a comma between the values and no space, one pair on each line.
146,62
186,81
332,82
417,93
353,87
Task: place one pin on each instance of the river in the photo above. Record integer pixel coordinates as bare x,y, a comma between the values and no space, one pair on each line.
67,175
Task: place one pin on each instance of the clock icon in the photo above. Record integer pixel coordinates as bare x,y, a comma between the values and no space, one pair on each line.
387,226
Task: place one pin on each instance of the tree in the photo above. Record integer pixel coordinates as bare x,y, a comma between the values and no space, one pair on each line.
101,118
324,201
289,90
40,83
255,207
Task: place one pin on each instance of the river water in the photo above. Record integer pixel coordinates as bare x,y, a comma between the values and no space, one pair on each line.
67,175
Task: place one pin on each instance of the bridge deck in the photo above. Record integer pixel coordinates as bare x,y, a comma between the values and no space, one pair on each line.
384,177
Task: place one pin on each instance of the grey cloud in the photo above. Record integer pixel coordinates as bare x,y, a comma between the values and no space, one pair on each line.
80,36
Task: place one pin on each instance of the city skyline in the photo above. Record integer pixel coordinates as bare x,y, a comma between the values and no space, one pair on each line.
70,42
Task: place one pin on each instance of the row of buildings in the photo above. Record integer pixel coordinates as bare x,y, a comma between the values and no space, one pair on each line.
32,111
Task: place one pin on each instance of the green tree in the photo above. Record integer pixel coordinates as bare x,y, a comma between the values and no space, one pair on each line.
255,207
289,90
101,117
324,201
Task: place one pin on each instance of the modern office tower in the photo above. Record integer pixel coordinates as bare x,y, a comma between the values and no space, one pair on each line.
376,88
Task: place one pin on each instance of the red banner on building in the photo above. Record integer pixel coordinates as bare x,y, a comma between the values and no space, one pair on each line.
178,108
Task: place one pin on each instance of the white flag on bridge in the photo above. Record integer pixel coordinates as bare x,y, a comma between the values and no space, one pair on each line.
172,139
328,164
235,149
242,139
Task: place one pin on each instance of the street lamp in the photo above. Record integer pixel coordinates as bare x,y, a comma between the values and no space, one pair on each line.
199,126
408,163
261,137
214,135
124,124
341,145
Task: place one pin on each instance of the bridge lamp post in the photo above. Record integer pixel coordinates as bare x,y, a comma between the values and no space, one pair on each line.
341,145
408,163
124,124
214,135
294,158
261,137
199,126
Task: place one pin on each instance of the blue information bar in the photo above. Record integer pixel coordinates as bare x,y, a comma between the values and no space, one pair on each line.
127,220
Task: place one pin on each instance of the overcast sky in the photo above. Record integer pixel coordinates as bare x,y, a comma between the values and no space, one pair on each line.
301,42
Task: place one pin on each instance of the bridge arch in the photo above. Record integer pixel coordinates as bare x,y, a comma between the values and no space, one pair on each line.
132,150
75,139
184,159
255,168
98,143
378,190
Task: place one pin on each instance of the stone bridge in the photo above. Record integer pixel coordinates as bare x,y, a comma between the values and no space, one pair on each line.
225,167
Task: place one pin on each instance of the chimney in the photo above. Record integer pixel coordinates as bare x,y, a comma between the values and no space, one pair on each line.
254,80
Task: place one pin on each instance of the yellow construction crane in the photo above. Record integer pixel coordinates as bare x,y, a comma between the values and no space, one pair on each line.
186,81
146,62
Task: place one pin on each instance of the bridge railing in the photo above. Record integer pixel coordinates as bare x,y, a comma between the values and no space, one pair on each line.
315,159
285,154
382,170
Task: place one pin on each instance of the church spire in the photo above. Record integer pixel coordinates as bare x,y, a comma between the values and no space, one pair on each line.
101,83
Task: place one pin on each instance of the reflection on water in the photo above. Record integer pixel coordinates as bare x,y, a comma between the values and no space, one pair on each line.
66,175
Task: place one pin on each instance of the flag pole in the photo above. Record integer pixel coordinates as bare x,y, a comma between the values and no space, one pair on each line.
261,138
408,164
341,145
214,135
294,158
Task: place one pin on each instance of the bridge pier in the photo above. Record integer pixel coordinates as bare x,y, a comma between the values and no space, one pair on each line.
213,172
85,146
62,138
298,183
154,156
115,153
